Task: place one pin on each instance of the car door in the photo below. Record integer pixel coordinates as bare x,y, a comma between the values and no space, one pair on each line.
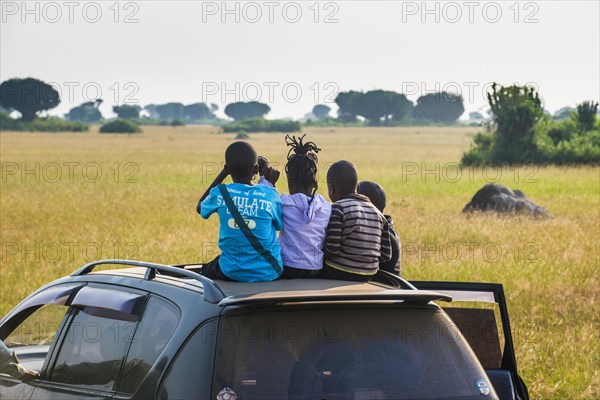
480,312
29,332
90,352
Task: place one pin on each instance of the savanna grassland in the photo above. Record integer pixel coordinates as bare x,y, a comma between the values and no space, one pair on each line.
57,213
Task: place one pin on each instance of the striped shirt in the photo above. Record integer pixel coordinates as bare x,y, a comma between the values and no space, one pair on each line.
358,236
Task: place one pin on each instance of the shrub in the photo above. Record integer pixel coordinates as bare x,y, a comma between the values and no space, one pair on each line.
583,148
54,124
10,124
177,122
242,135
557,130
262,125
120,126
48,124
480,151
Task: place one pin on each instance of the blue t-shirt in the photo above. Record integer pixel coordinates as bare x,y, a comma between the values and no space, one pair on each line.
260,206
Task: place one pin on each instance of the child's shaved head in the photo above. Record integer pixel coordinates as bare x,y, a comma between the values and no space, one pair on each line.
374,192
241,160
342,177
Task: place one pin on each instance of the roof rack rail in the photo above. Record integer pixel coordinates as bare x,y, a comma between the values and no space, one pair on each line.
212,293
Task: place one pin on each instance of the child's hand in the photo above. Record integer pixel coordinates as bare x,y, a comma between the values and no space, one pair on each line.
263,163
271,174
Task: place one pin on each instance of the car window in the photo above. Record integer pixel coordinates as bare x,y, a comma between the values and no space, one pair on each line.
190,375
93,350
32,338
39,328
151,336
345,354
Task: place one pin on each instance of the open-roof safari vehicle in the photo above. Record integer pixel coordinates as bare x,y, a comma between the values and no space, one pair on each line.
163,332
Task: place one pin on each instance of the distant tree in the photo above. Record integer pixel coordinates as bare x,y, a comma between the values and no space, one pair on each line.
401,106
241,110
321,111
441,107
373,106
87,112
28,96
198,111
170,111
516,110
586,115
127,111
476,116
563,113
151,110
344,101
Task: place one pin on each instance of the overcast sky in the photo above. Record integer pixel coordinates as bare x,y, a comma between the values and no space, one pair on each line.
292,55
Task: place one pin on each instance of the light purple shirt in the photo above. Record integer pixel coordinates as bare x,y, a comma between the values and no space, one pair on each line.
304,225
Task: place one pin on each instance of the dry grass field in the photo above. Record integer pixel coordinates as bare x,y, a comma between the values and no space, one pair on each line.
69,198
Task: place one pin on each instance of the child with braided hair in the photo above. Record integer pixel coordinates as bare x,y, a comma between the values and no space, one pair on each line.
305,213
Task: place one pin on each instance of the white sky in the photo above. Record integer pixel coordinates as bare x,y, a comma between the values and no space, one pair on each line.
183,51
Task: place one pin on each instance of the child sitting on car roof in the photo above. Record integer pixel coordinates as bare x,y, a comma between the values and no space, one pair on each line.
376,194
358,237
305,213
252,254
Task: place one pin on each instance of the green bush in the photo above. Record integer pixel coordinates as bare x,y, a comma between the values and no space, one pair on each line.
262,125
557,142
582,148
10,124
176,122
48,124
557,130
120,126
242,135
53,124
480,152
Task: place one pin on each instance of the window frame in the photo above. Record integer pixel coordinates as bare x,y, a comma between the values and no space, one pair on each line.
33,303
215,321
54,351
143,312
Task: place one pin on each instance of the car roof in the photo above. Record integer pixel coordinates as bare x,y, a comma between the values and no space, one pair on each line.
226,293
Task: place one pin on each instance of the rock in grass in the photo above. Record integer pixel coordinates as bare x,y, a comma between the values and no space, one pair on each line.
499,199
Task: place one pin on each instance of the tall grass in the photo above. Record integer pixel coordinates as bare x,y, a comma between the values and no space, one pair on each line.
143,207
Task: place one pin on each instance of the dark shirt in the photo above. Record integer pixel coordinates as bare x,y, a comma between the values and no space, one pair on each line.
394,264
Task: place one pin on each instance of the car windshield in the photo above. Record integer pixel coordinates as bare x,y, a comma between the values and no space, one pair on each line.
360,353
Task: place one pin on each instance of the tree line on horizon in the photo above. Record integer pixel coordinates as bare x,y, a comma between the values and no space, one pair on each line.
30,96
518,129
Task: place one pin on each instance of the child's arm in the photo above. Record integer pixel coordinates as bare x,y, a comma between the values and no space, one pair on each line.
269,177
333,237
218,180
386,243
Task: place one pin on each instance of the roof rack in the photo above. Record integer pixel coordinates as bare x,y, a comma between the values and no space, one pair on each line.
212,293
